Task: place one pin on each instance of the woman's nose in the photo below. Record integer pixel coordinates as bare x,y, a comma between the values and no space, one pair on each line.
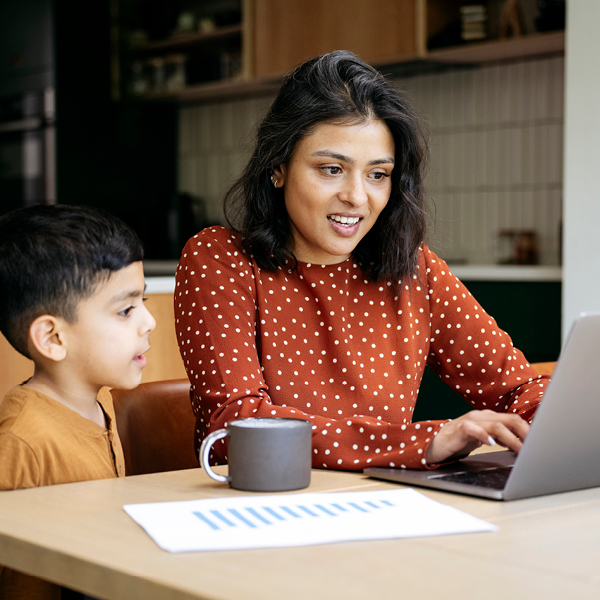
354,191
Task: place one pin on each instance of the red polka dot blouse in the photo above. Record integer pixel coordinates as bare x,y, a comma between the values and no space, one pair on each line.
321,342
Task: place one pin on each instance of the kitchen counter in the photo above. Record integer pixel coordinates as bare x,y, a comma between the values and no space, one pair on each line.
507,272
160,285
159,281
160,268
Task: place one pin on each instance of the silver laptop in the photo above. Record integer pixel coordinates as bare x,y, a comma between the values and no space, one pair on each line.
562,449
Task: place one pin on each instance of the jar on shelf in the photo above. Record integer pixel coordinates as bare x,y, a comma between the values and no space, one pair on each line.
139,78
186,22
517,247
175,72
157,78
231,65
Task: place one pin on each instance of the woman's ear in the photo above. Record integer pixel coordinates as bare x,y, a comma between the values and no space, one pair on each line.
278,176
46,336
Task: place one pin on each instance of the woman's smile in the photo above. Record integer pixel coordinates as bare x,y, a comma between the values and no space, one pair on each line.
345,226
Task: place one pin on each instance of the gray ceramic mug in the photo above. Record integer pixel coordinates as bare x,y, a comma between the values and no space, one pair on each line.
267,454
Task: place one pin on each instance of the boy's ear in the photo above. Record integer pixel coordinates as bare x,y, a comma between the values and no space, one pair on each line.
46,335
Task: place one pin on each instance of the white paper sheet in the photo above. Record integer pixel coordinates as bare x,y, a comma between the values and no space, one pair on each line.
298,520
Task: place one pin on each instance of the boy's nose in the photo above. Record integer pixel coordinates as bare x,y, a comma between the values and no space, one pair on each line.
148,323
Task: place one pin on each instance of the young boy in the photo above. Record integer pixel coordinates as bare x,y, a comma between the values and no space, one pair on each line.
71,299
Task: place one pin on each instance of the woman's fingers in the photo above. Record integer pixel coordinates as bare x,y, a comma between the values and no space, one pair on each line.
460,436
507,430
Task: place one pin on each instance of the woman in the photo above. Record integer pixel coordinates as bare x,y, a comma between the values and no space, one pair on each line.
324,303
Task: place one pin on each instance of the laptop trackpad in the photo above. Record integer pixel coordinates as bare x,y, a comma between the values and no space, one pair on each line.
490,470
491,477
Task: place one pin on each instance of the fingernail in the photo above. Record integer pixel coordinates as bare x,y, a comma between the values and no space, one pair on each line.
491,441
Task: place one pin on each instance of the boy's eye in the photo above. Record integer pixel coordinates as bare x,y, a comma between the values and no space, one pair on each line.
126,311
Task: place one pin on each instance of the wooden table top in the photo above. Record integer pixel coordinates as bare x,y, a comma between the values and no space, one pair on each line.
79,535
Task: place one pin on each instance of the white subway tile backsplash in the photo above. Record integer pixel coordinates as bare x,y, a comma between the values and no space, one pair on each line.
186,173
479,97
556,87
227,136
515,156
185,139
540,91
448,115
528,154
505,100
542,175
529,84
203,122
517,91
503,158
555,153
491,96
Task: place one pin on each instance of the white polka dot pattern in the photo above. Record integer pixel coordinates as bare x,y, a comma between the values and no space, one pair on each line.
337,350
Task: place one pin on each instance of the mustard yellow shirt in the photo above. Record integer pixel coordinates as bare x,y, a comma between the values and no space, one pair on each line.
42,442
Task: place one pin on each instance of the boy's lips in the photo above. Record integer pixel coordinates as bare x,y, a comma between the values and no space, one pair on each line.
141,359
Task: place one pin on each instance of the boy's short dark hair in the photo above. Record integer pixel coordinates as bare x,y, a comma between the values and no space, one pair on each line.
53,257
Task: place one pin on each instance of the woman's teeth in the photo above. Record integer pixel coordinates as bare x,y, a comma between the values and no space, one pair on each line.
346,221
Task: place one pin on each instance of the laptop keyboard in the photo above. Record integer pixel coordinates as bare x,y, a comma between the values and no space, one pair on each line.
494,478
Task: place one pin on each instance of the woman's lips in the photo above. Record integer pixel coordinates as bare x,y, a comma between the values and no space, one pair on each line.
344,226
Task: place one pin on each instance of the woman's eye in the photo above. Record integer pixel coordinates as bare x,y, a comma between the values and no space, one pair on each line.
331,170
126,312
379,175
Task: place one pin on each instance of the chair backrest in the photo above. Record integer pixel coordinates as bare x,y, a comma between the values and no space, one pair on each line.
544,368
156,426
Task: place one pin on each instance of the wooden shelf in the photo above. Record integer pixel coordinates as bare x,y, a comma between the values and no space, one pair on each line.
184,40
542,44
217,90
539,44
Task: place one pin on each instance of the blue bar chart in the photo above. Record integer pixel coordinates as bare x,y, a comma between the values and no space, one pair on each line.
255,517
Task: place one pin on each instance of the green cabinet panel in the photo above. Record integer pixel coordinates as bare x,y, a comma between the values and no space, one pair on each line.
529,311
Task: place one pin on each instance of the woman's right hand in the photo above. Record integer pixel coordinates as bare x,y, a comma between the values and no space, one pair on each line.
458,437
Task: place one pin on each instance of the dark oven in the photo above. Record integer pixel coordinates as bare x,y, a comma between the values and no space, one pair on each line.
27,149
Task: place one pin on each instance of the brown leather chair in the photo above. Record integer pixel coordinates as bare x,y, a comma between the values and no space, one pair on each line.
156,425
544,368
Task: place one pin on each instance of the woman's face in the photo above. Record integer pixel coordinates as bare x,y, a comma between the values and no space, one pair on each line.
335,185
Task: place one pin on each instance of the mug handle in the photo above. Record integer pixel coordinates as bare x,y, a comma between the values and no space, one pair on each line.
205,447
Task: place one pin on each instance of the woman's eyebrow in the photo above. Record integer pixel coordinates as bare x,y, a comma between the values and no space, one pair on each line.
342,157
383,161
335,155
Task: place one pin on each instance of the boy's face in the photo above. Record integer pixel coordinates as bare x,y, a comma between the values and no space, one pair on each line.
107,341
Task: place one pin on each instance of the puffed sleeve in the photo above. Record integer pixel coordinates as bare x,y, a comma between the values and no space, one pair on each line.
472,354
20,467
215,319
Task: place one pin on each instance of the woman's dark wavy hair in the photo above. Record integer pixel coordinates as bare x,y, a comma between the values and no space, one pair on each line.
338,88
